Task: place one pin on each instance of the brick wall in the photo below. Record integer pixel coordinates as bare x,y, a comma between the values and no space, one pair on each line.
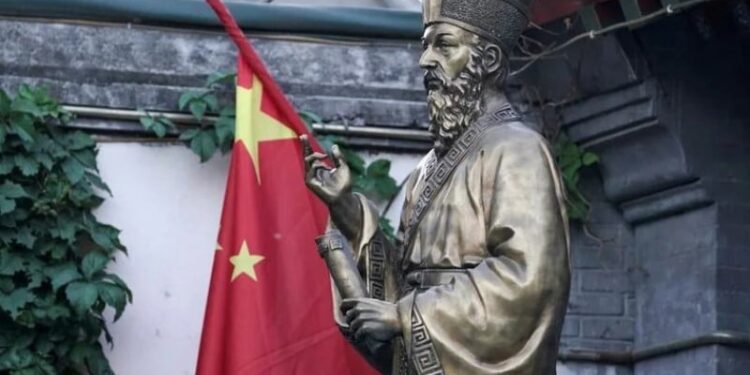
601,312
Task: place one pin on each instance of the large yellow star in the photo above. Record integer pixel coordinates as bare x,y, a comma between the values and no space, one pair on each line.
244,262
254,125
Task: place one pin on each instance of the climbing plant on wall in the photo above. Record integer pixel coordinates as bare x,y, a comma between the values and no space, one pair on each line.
54,283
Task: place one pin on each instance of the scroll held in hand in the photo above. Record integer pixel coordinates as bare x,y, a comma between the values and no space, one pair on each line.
338,255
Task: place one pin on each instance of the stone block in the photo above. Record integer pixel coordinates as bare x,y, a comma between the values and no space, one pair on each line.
736,256
733,303
733,322
607,328
605,281
571,327
731,279
597,257
578,368
596,304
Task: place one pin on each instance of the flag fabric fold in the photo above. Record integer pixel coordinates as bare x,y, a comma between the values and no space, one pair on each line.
269,308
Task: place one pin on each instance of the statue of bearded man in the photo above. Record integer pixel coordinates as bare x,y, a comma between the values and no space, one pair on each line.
479,279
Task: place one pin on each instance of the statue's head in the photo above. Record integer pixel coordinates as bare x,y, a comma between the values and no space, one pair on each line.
466,44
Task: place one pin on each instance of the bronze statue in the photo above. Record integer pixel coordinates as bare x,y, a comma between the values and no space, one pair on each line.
478,282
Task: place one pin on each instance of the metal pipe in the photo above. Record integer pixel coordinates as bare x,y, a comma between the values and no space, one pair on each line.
724,338
186,119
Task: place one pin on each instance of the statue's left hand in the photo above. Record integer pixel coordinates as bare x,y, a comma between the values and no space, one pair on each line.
371,318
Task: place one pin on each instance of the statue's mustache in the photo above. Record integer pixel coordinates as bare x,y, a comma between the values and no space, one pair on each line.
434,79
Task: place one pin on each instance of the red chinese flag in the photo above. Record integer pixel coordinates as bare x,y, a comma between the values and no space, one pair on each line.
269,306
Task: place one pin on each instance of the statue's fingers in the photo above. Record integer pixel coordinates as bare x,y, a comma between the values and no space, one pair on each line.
313,157
338,156
365,329
306,148
348,303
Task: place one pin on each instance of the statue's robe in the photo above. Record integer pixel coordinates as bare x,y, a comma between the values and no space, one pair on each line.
499,228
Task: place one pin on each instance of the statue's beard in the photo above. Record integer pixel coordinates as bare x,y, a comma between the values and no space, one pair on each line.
453,104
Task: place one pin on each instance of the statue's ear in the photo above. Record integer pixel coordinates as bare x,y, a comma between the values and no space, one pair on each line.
492,59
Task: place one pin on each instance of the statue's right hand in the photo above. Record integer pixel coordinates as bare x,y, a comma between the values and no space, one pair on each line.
330,184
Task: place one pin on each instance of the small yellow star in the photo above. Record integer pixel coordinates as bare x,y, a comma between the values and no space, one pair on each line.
245,263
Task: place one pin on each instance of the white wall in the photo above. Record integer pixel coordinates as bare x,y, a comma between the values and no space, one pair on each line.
168,206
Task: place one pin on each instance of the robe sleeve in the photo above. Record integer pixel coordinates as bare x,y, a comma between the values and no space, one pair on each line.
504,314
377,261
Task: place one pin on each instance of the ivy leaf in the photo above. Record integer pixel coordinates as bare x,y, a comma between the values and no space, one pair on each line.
354,161
93,262
589,158
204,145
15,301
55,312
65,229
35,277
114,296
44,160
224,128
6,205
10,263
97,362
310,118
73,169
119,282
6,165
189,134
198,108
23,126
81,295
12,190
147,122
385,187
87,157
24,105
62,275
379,168
211,101
79,140
95,180
105,236
218,77
186,98
28,166
4,102
25,237
159,129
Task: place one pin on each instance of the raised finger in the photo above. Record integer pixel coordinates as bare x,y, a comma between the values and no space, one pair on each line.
338,156
315,157
306,148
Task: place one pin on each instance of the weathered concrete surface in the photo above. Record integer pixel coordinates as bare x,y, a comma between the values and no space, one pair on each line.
118,66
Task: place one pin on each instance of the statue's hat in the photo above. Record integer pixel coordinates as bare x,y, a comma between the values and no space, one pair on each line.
500,21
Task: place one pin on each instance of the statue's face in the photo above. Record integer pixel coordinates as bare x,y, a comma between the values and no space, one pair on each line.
446,47
454,72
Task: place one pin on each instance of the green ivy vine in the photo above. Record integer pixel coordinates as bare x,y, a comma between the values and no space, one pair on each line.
572,159
54,286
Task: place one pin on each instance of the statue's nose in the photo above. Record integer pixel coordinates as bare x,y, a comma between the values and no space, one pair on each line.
427,61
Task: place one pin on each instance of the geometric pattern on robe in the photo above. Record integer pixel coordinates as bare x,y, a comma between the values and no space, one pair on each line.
501,217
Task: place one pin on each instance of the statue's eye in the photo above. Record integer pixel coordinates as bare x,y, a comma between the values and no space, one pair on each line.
444,48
